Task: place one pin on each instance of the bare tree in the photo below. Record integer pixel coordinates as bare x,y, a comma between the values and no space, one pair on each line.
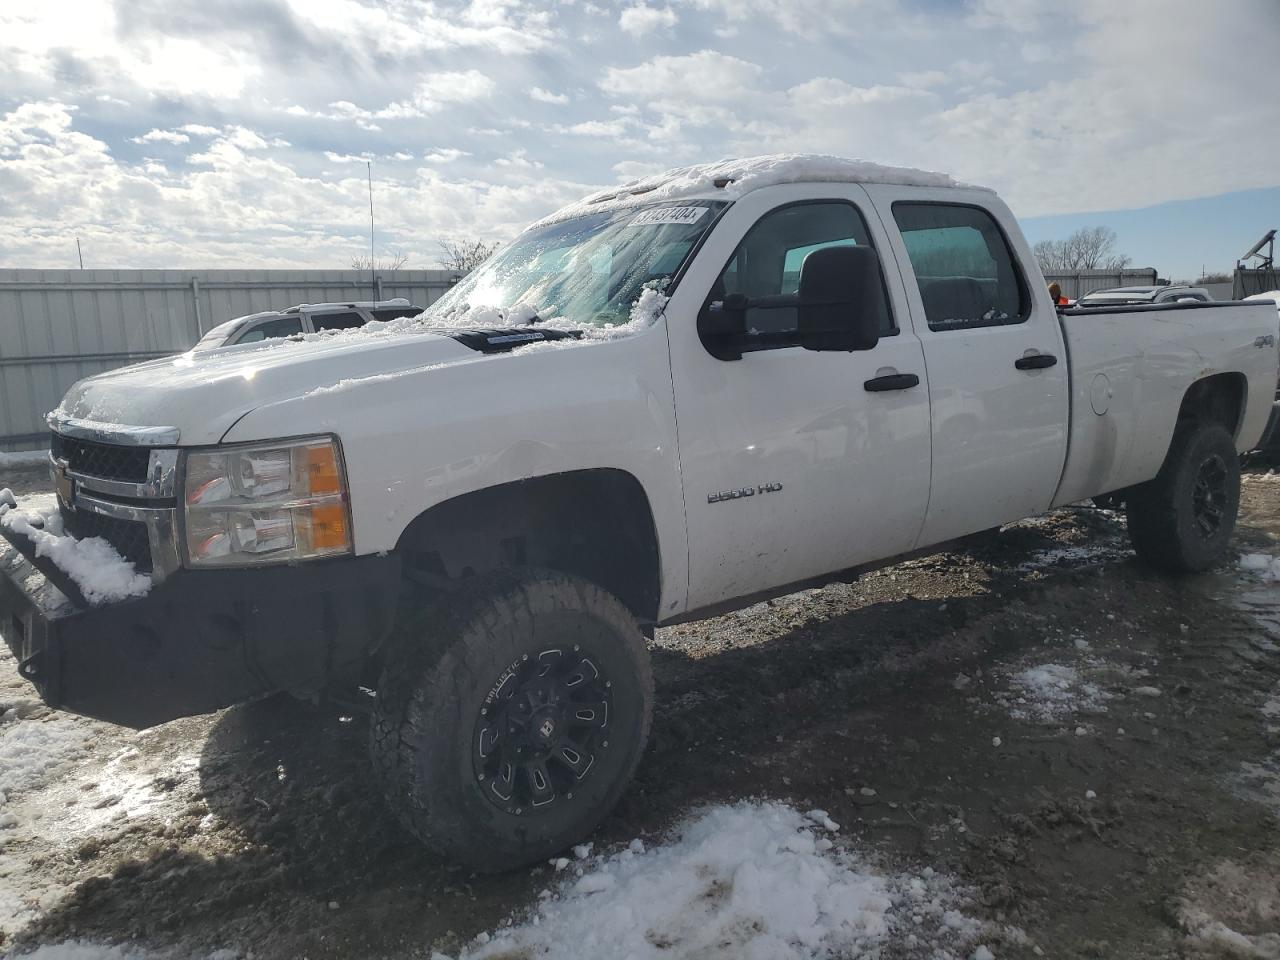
394,261
464,255
1089,248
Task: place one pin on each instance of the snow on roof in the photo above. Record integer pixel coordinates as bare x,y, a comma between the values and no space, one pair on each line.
730,179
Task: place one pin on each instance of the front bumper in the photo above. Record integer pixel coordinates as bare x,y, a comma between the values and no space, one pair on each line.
199,641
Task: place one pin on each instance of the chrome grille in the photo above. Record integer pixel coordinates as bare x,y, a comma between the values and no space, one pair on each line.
105,460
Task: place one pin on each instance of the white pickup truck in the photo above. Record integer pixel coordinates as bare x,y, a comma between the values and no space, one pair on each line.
672,399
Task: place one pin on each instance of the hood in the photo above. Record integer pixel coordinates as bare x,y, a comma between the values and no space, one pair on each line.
203,394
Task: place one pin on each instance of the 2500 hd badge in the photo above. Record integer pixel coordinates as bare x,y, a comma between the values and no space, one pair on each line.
724,495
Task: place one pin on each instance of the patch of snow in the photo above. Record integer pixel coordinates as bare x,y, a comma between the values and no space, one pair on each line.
739,177
1069,556
32,751
1050,693
1261,565
744,881
95,566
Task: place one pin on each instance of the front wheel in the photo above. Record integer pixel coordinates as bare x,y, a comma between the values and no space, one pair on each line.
1182,521
510,717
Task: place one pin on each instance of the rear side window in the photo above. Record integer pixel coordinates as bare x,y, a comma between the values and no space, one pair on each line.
336,321
963,266
272,329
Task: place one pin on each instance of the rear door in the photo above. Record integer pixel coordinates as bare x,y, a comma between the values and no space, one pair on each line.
998,380
792,466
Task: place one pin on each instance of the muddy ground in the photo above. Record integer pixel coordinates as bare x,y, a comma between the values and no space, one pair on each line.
1132,812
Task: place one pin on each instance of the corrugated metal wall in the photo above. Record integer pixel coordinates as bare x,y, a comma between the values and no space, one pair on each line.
57,326
1082,282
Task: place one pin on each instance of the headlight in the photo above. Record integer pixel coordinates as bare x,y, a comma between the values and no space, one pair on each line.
266,504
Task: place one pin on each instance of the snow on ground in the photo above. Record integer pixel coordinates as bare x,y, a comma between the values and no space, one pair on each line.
748,881
1052,693
751,880
1261,565
102,575
32,751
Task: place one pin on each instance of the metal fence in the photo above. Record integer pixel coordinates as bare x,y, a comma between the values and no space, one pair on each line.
57,326
1248,281
1081,283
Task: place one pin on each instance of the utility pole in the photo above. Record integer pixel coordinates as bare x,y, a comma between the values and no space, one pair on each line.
373,282
79,254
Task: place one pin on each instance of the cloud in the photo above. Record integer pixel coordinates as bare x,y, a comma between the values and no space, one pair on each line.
546,96
231,206
642,19
279,101
161,136
445,155
810,19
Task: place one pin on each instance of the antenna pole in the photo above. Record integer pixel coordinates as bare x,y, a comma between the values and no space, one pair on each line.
79,254
373,282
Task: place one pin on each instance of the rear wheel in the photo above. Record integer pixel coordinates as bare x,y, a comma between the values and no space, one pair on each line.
510,717
1182,520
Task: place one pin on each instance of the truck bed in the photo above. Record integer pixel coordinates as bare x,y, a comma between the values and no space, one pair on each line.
1130,368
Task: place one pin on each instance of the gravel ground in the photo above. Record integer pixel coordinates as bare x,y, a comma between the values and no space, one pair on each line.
1088,751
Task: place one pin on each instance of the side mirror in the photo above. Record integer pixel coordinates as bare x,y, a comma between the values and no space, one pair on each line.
841,299
722,326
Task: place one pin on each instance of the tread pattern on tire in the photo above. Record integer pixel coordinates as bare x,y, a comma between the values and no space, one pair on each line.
1159,537
436,653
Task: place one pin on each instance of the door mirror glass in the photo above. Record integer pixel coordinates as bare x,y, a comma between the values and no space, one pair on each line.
841,299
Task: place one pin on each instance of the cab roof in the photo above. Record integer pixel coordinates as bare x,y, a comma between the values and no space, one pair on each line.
731,179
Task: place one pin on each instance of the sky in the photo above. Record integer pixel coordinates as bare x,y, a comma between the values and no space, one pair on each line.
185,133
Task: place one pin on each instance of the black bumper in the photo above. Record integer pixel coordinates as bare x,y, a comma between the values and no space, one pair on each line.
199,641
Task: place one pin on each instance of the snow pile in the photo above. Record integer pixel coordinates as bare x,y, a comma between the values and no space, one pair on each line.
1050,693
102,575
32,751
752,880
737,177
1261,565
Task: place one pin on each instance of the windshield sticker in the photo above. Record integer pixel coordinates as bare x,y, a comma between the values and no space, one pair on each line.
668,215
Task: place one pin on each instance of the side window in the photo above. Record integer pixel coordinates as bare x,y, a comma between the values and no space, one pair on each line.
768,261
284,327
336,321
963,266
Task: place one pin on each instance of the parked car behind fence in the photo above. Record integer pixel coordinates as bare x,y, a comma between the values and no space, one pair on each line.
304,318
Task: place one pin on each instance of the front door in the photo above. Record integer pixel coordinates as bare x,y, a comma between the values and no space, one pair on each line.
792,466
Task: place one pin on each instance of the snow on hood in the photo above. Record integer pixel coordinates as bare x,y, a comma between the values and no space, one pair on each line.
730,179
203,394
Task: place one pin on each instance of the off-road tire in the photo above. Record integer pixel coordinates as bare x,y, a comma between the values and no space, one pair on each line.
443,661
1166,522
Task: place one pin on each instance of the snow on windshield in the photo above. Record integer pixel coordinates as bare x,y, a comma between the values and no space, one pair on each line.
590,273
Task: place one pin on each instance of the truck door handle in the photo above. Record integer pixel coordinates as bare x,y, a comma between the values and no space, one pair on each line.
1037,361
893,381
